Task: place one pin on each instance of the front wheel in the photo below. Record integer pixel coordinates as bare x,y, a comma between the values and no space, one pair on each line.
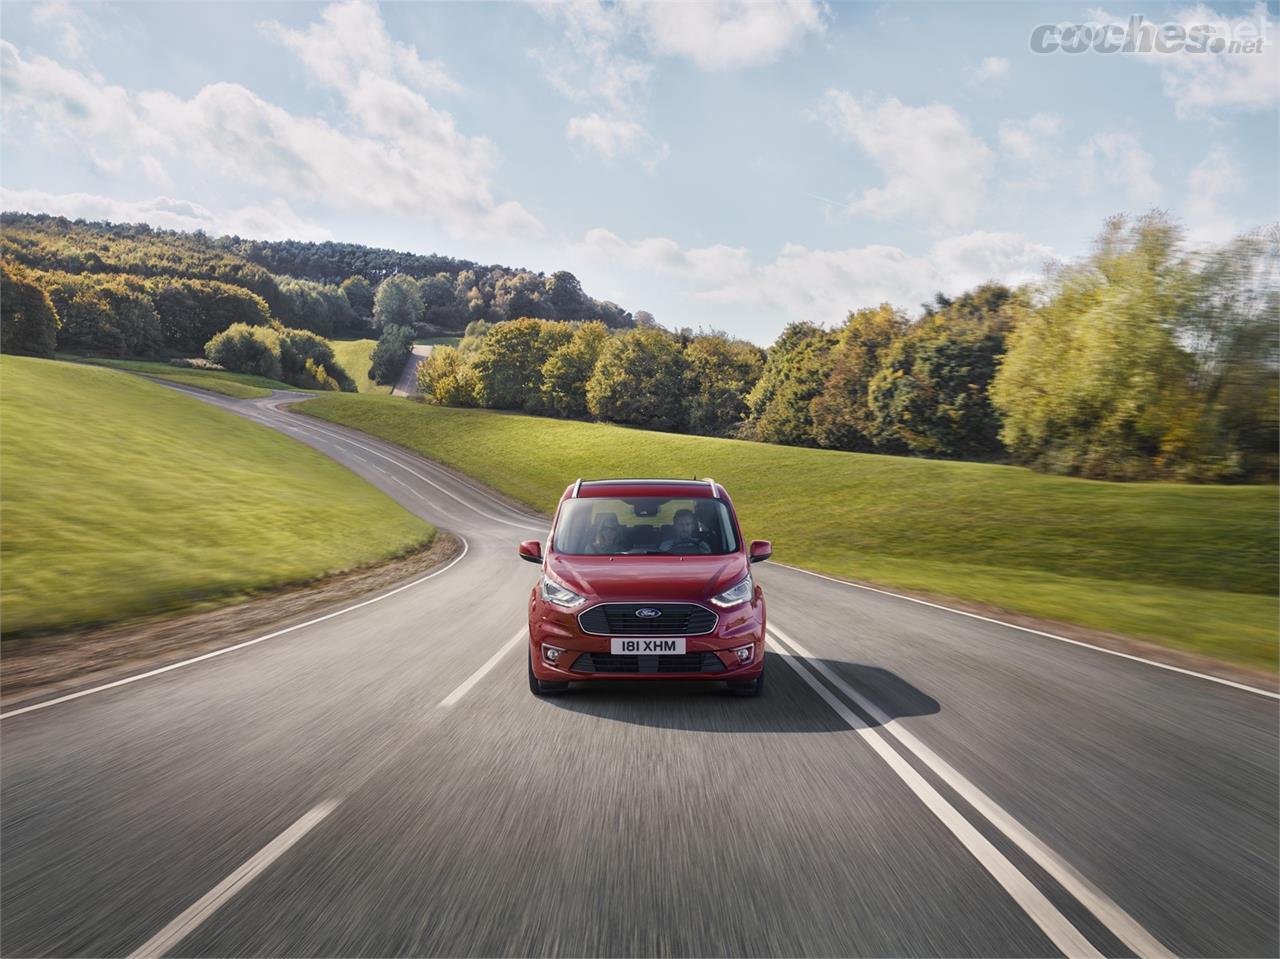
750,689
542,688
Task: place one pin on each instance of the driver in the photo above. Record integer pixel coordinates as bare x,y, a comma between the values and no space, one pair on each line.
608,536
682,539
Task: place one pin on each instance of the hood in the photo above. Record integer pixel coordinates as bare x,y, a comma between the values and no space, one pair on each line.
692,578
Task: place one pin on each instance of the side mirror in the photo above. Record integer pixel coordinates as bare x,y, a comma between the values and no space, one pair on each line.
761,549
531,551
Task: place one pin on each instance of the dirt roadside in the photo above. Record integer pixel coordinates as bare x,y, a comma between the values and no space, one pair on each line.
38,667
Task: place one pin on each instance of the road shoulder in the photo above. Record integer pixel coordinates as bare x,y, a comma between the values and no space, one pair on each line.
34,668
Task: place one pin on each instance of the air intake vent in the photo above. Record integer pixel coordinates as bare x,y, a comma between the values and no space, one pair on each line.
639,619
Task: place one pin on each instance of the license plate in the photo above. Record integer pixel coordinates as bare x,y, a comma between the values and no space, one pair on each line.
647,647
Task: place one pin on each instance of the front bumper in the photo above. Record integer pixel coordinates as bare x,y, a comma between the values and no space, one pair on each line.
587,657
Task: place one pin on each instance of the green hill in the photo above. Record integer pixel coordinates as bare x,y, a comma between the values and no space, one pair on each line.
1191,566
120,497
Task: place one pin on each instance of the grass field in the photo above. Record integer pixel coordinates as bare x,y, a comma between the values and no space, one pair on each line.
438,340
239,385
1191,566
354,357
119,497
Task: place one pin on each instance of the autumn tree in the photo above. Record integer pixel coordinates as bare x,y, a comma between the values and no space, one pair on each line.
639,380
28,321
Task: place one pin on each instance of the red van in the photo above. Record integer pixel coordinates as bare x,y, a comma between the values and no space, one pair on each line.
646,579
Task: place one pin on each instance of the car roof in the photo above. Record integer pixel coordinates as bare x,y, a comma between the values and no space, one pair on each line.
693,488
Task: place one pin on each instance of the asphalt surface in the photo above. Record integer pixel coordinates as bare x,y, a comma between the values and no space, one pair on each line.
913,782
407,384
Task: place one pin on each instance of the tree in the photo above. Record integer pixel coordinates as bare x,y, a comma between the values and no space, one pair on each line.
447,378
508,364
564,294
28,321
1094,381
930,396
569,368
795,371
104,315
1234,338
520,295
721,372
639,380
390,354
440,302
192,311
246,349
841,414
397,302
359,295
307,360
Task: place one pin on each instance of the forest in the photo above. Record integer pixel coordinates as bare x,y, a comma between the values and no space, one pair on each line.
327,288
1148,359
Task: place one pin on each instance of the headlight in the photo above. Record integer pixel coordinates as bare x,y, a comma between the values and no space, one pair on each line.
559,595
734,595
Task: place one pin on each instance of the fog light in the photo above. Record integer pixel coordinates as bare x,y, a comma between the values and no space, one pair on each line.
551,653
745,654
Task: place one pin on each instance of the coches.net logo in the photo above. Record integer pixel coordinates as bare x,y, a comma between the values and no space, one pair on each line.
1137,35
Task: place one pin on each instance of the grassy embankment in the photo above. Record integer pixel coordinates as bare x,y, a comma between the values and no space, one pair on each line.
355,357
121,498
238,385
1190,566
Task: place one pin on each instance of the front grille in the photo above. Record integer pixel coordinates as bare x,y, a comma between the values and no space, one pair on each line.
620,619
686,663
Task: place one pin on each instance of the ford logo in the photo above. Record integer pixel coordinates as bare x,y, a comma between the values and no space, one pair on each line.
648,612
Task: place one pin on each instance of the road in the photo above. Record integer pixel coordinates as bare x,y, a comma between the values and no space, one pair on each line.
913,782
407,385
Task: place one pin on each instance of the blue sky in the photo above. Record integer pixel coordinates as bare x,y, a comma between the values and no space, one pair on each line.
720,164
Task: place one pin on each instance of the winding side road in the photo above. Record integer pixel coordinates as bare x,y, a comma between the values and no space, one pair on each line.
380,782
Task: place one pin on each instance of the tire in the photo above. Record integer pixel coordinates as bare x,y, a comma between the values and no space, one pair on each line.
748,690
541,688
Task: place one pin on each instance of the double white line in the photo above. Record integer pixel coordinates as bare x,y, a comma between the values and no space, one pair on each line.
1037,906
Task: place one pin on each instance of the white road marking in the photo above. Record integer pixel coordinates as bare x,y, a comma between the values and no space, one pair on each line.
1032,901
195,914
479,674
428,480
1039,632
1125,927
230,649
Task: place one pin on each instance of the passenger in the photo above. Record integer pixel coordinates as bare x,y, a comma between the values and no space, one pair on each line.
682,538
608,537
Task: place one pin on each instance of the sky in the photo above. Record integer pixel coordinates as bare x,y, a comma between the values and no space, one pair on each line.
724,165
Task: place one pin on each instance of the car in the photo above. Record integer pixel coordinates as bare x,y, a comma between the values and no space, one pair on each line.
646,579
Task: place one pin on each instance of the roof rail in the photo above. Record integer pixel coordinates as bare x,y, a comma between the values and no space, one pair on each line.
712,483
577,486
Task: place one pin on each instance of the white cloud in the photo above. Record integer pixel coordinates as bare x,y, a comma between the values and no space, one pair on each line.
1032,140
1119,160
992,71
605,59
726,34
61,16
606,135
273,221
1201,83
395,153
817,285
934,166
351,41
1212,178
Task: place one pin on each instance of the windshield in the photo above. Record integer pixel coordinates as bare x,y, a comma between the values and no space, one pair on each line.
644,525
